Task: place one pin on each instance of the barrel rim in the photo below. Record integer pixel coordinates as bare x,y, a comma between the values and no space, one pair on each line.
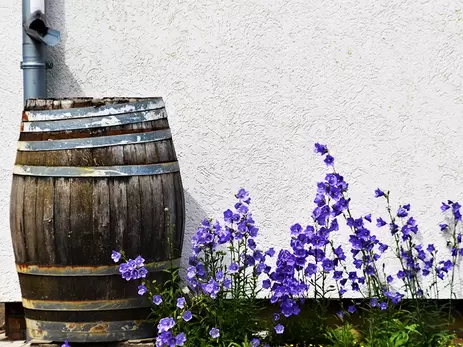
92,111
97,171
88,305
100,121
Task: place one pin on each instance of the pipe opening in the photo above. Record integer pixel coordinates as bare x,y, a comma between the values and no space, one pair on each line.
39,26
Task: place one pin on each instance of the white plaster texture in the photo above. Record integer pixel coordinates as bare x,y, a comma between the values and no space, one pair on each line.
250,85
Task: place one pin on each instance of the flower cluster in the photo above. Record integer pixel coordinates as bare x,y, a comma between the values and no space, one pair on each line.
314,258
132,269
165,335
207,271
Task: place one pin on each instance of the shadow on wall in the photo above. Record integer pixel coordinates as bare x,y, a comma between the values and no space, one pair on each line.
61,81
194,214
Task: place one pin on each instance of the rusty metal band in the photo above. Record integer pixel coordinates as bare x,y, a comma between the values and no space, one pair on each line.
86,112
102,331
94,122
93,305
71,271
96,171
93,142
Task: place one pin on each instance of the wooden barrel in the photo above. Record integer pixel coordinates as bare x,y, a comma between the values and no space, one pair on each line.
92,176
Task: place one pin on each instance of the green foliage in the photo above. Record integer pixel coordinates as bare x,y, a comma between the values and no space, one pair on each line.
343,336
308,328
421,324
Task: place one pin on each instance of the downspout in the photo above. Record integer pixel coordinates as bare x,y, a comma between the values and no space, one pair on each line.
36,37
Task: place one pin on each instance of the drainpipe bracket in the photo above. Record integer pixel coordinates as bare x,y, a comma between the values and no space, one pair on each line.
33,65
37,65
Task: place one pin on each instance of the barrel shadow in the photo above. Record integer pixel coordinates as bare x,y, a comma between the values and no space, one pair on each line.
194,214
61,81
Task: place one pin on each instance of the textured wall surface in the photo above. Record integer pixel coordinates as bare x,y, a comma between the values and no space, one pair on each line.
251,84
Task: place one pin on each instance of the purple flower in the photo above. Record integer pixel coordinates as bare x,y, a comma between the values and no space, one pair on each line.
66,343
380,222
329,160
279,329
180,339
270,252
142,290
340,253
276,317
255,342
228,216
368,217
181,303
373,302
337,275
327,265
443,227
402,212
379,193
382,247
252,244
191,272
115,256
243,196
352,275
431,248
139,261
383,305
266,284
444,207
157,300
457,215
233,268
219,275
165,324
351,309
131,264
322,149
311,269
142,272
227,283
214,333
187,316
127,275
296,229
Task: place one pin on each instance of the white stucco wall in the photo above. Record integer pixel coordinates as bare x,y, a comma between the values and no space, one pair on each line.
251,84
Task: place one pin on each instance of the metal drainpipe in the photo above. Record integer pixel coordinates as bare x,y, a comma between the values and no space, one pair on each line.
36,37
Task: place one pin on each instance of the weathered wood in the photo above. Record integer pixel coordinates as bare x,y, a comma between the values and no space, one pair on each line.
62,227
146,214
158,235
65,216
47,189
101,215
17,219
81,223
30,199
118,212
